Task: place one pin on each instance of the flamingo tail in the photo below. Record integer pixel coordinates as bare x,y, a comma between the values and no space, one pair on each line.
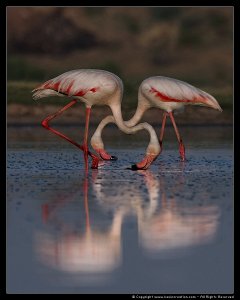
42,93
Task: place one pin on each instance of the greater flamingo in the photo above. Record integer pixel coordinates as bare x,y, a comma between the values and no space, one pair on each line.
167,94
94,87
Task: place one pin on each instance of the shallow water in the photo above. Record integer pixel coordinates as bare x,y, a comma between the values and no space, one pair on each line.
165,230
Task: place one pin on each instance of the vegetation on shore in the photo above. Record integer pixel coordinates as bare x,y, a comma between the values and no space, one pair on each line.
193,44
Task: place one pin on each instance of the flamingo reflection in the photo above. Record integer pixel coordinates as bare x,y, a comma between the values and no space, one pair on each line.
174,226
165,222
93,251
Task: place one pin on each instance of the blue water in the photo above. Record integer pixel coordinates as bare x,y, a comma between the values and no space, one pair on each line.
165,230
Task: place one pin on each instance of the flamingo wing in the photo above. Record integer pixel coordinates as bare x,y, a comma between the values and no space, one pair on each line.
83,82
72,83
173,90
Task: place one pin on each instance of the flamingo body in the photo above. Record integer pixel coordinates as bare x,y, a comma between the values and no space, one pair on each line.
171,94
93,87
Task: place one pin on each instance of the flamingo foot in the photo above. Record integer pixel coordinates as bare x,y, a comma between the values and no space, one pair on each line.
145,163
105,156
182,151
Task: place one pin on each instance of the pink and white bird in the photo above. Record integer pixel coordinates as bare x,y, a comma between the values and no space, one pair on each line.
167,94
94,87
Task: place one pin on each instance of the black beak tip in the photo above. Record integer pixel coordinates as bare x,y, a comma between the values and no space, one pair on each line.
113,158
134,167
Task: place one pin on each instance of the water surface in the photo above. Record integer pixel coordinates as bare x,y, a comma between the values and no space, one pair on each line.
165,230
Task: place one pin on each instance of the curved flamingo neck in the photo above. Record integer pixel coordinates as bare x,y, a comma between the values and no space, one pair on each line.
115,105
96,140
137,116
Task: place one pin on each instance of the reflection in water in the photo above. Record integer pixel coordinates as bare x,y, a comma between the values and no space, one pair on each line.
174,227
170,230
92,251
164,223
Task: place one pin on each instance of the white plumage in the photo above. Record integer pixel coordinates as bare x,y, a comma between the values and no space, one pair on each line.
90,86
170,94
165,93
94,87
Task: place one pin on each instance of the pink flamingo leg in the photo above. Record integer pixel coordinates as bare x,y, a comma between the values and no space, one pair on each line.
181,146
163,128
85,142
45,124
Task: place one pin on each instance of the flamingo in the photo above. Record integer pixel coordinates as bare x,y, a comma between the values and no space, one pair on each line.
165,93
94,87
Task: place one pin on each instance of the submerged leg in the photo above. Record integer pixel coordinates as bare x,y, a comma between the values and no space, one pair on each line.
45,124
181,146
